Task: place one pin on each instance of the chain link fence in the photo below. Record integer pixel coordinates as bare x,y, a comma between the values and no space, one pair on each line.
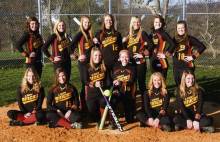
203,17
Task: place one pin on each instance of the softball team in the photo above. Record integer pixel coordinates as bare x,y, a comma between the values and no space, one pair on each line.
108,62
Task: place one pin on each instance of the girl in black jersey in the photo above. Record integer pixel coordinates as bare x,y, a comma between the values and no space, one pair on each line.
60,43
190,101
163,46
95,77
30,96
63,103
83,42
138,43
156,102
109,41
124,76
33,41
187,49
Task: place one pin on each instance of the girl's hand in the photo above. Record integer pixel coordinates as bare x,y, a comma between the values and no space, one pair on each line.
116,82
97,84
32,55
161,56
67,115
189,124
156,123
137,55
196,125
27,115
188,58
150,122
57,58
95,40
82,58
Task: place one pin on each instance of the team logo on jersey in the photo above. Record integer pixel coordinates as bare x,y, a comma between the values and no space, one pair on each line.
63,44
37,43
191,100
28,98
108,41
132,41
156,102
64,96
97,76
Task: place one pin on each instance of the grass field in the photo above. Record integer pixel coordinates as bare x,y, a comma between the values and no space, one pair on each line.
208,78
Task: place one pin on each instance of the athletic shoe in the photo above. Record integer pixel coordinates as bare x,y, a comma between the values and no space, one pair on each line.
51,125
111,126
166,128
76,125
177,127
16,123
208,129
141,124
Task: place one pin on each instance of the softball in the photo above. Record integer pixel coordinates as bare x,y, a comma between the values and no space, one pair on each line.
107,93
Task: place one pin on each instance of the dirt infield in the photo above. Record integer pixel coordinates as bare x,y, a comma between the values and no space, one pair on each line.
133,133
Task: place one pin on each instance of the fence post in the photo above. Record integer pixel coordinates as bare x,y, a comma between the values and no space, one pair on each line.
110,6
40,21
184,9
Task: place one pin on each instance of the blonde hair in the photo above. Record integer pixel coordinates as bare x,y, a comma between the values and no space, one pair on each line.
36,82
95,49
124,51
83,30
131,29
55,30
182,87
163,89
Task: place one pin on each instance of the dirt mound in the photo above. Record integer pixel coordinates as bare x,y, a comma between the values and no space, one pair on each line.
133,133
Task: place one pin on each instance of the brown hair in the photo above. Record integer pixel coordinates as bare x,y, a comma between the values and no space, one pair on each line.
103,25
182,88
28,21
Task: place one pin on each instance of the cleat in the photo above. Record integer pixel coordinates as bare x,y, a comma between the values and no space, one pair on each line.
166,128
76,125
16,123
208,129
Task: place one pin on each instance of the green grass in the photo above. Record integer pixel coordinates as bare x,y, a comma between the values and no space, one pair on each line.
4,55
208,78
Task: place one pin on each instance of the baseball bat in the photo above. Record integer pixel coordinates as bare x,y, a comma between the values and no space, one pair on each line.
112,112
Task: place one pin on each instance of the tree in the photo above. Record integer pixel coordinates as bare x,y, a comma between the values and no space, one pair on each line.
154,6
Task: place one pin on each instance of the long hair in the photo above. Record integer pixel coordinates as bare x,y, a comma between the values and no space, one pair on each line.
83,30
185,37
162,21
163,89
55,30
28,21
112,28
36,81
91,63
183,87
131,29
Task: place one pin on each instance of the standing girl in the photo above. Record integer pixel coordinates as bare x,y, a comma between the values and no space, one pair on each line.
63,103
187,49
83,41
109,41
162,47
60,43
137,42
34,42
156,102
190,100
30,97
